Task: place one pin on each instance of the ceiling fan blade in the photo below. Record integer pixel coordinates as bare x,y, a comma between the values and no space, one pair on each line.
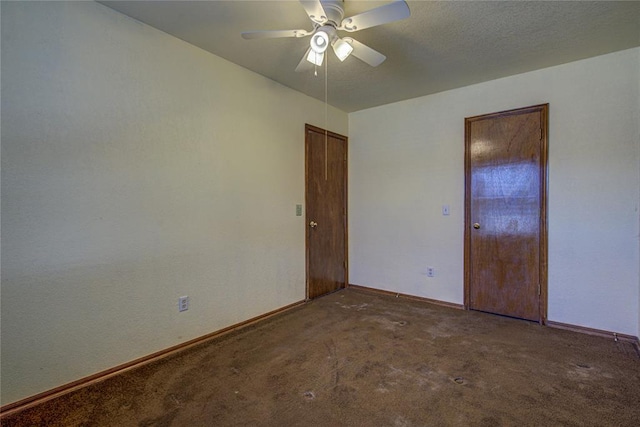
315,10
381,15
274,34
365,53
304,65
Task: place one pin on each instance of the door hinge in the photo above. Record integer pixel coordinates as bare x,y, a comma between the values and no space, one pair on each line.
538,289
541,135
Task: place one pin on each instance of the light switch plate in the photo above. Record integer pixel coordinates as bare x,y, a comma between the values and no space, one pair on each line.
298,210
445,209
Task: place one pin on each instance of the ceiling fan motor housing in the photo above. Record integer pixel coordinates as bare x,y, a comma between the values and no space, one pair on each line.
334,11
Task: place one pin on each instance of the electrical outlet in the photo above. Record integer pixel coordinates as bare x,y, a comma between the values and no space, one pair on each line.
445,210
431,272
183,303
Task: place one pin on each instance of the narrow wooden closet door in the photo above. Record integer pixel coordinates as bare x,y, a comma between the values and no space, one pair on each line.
505,244
326,208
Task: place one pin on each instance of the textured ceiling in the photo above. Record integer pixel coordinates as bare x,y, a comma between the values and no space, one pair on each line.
443,45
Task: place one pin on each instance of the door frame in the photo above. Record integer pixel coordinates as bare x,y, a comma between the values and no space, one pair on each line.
311,128
543,109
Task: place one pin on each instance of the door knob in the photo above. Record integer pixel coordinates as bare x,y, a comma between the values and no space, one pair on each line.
313,224
476,226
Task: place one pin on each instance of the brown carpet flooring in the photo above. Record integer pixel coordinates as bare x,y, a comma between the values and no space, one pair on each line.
358,359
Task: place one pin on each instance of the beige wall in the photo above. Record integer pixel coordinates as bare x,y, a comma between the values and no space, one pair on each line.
407,160
137,168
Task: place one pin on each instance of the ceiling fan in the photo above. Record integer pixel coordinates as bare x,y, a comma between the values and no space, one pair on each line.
327,17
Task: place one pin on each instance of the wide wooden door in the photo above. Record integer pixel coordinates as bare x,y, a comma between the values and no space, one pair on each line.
326,208
505,213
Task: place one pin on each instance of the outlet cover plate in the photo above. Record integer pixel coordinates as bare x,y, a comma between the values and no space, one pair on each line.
183,303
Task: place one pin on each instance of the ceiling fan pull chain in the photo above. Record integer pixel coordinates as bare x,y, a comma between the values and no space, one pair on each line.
326,120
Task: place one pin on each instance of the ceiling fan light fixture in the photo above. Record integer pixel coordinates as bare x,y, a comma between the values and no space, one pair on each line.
319,42
315,58
342,49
